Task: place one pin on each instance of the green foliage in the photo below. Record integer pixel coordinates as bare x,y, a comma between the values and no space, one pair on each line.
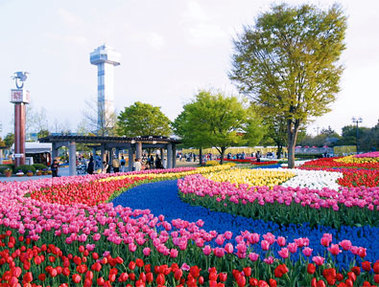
326,137
309,156
7,166
3,168
368,138
142,119
40,166
25,168
9,140
214,120
43,133
288,64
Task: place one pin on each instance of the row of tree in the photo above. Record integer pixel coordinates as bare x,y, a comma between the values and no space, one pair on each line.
287,67
368,138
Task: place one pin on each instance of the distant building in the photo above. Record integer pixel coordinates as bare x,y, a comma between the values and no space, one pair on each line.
105,58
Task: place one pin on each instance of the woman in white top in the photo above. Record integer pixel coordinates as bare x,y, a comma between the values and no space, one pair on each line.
137,165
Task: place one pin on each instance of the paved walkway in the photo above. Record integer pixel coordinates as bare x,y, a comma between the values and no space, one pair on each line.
62,172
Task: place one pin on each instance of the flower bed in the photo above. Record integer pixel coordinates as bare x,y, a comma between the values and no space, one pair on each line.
358,170
360,178
46,243
49,264
286,205
336,164
251,177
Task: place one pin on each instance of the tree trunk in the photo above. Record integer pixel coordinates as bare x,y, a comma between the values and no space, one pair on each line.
292,129
200,156
222,154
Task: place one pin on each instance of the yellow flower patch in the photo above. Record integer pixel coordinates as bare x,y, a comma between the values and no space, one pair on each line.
252,177
200,170
353,159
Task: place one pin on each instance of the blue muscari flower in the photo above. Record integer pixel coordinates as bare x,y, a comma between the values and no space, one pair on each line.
162,198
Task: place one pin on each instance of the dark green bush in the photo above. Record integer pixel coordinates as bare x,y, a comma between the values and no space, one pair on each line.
3,168
40,166
308,155
25,168
10,166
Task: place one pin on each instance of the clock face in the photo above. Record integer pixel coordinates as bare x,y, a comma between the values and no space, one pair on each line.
20,96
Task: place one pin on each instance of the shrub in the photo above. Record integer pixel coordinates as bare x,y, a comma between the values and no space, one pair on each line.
308,156
25,168
40,166
3,168
10,166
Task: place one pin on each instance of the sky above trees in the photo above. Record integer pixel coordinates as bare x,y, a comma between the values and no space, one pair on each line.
170,50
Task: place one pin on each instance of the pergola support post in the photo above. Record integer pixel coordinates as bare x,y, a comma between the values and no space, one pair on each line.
169,156
130,157
139,150
54,151
174,156
103,156
72,158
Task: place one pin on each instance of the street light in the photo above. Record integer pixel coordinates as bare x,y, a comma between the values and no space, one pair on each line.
357,121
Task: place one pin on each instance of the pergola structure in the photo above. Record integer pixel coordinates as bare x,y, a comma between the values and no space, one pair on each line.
134,145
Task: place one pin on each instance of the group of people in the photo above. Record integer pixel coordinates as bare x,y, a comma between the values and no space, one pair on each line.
120,165
117,166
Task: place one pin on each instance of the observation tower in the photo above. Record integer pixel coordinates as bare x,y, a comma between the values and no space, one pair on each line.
105,58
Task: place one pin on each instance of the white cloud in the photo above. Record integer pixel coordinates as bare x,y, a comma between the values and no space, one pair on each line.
69,18
69,39
195,12
155,40
205,34
200,28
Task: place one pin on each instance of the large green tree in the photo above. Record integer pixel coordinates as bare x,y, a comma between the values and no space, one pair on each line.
215,120
142,119
288,64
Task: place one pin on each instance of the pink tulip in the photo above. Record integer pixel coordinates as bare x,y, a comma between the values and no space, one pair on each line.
318,260
207,250
281,241
283,253
307,251
146,251
229,248
253,256
265,245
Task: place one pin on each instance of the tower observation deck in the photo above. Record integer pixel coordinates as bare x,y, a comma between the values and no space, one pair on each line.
105,58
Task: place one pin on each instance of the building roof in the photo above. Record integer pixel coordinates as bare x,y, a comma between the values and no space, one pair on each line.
108,139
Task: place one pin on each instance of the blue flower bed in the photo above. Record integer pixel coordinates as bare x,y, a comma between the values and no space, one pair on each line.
162,198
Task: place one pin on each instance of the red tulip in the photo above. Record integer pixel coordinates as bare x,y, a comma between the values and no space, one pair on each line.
272,282
366,265
76,278
311,268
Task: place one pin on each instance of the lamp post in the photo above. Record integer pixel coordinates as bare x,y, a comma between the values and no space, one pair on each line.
19,97
357,121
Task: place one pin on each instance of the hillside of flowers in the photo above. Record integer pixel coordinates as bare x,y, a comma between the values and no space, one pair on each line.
65,232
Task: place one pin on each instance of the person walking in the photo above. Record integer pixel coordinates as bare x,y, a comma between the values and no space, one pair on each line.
116,165
137,165
106,167
158,163
91,166
54,168
122,163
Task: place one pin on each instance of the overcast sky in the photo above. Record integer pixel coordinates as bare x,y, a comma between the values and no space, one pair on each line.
170,49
